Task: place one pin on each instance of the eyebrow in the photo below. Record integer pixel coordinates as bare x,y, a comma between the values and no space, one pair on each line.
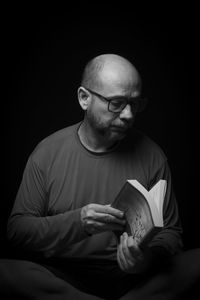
123,97
113,97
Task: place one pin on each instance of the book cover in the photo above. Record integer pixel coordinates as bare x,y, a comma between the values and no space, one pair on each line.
142,208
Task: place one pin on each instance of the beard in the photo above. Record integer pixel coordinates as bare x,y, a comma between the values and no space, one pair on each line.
112,130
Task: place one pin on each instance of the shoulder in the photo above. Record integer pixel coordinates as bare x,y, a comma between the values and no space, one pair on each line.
55,143
59,137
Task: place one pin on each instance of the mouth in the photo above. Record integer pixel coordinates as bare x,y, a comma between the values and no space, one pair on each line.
119,128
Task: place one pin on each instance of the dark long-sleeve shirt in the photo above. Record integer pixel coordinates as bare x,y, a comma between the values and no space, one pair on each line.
61,177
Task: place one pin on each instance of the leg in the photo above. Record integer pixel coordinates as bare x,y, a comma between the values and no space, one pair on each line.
32,281
180,280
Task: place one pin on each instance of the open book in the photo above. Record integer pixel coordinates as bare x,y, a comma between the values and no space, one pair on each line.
143,209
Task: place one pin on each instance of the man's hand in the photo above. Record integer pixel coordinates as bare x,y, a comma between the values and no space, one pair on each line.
98,218
129,255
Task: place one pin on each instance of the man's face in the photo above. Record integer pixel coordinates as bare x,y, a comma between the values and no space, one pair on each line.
109,125
117,79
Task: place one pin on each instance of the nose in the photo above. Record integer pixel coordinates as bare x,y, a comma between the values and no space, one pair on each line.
127,113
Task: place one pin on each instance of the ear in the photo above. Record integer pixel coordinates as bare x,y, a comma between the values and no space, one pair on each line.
83,98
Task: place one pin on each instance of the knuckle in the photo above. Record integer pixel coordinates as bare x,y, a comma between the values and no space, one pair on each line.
130,244
90,206
89,213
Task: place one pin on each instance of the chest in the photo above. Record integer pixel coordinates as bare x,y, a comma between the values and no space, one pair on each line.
77,180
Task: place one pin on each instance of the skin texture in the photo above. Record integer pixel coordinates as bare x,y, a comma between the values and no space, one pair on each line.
109,75
129,255
101,128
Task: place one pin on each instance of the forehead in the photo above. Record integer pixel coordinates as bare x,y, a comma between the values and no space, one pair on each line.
119,78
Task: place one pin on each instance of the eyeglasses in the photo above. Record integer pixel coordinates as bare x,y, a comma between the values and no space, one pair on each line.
118,103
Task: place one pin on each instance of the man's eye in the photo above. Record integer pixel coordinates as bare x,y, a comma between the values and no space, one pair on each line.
117,103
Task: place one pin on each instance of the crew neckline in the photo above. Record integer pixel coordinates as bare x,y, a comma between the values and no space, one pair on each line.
90,152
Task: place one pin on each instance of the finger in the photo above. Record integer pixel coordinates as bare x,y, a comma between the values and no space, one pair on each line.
114,211
133,247
121,255
119,260
97,227
108,210
131,242
125,239
127,254
130,260
106,218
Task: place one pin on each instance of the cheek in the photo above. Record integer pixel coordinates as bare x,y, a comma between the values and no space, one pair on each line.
108,120
101,115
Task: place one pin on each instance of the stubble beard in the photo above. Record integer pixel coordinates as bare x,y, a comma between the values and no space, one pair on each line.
103,130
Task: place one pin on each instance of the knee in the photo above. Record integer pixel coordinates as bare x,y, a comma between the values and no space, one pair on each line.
189,261
6,270
187,268
15,276
7,275
27,279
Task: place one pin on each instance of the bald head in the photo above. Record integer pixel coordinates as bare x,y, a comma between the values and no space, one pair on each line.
108,70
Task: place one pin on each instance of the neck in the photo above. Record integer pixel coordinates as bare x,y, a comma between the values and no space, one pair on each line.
92,140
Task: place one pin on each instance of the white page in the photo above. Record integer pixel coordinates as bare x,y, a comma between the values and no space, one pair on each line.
153,205
157,193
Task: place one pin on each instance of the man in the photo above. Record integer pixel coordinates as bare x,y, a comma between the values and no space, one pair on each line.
63,218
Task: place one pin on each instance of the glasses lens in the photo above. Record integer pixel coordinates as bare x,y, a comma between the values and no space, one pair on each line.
117,105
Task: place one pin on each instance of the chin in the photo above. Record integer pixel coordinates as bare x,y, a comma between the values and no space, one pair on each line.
117,136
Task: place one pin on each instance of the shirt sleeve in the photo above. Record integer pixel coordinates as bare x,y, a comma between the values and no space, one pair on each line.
170,237
30,227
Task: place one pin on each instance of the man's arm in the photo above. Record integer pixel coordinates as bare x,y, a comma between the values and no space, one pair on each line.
170,237
32,228
168,242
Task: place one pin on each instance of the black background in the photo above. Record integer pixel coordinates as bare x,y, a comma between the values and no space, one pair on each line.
44,53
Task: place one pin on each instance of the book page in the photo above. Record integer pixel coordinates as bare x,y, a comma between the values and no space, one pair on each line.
157,217
158,192
137,211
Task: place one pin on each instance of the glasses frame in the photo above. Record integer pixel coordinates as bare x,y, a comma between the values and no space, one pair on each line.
130,101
